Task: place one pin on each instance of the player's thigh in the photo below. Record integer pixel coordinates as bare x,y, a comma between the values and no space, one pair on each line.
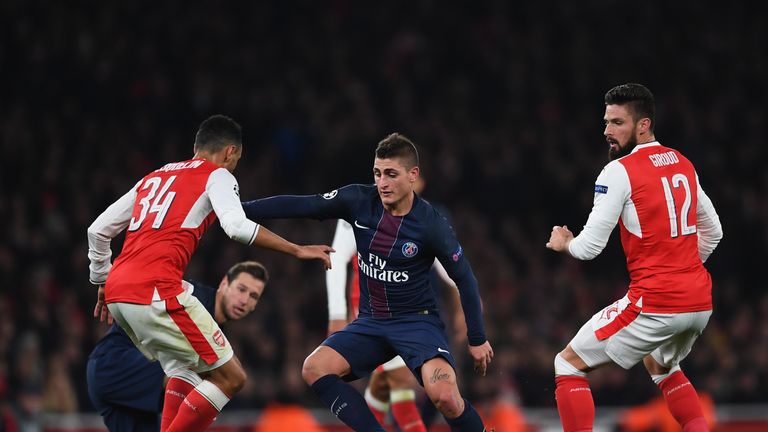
616,334
690,326
419,339
125,378
229,376
439,380
361,346
179,332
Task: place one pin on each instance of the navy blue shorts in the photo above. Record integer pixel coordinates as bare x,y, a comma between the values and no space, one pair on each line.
368,342
127,390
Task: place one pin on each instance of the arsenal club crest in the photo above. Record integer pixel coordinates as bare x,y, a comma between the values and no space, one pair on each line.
219,338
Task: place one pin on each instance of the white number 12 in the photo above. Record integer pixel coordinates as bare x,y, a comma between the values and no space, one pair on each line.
677,180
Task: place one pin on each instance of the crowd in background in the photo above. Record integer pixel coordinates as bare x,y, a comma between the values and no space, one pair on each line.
504,101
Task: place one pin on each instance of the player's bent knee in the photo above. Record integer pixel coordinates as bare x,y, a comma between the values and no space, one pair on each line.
447,401
238,379
230,377
312,370
379,386
564,367
401,378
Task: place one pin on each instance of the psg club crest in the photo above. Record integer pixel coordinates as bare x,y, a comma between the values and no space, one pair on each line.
218,337
410,249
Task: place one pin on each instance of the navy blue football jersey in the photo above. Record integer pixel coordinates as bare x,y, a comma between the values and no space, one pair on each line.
394,253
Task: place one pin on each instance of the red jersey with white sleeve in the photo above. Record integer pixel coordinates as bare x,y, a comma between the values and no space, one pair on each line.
165,214
668,228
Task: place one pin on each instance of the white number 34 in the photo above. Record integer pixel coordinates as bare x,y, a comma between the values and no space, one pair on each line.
160,205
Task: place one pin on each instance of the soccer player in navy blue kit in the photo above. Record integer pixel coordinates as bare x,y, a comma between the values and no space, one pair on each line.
127,388
398,237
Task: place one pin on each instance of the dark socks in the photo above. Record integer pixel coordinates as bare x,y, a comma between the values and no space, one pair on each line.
468,421
346,403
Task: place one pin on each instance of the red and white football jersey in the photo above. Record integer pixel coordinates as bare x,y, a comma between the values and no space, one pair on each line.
165,215
668,228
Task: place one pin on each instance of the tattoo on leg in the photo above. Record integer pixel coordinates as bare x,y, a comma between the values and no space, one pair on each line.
439,375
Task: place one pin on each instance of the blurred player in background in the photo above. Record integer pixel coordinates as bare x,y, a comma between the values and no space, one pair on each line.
398,237
669,227
126,388
166,214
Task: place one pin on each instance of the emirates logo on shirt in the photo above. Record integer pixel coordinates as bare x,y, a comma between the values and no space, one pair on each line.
219,338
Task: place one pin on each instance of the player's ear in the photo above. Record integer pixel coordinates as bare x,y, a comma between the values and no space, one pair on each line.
413,173
645,125
223,284
231,149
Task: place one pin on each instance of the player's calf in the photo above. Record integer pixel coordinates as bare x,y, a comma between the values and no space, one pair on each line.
574,397
681,398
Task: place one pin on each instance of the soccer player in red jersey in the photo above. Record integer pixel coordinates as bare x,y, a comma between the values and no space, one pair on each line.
166,214
669,227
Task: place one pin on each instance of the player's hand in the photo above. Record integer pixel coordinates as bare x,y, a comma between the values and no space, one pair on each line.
560,238
101,311
482,355
321,252
336,325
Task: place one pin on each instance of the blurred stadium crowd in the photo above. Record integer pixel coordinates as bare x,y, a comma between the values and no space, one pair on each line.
503,99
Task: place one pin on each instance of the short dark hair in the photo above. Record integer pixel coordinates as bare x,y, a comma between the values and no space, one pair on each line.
639,99
217,132
398,146
253,268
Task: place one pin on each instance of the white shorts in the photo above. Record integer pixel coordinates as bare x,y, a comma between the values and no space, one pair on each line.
624,334
396,363
178,332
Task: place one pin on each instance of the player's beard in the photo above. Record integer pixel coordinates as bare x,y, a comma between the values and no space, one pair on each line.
622,151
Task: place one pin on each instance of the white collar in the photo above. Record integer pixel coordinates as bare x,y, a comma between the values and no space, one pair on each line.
644,145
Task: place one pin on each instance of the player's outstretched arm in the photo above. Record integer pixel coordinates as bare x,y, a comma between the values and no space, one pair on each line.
267,239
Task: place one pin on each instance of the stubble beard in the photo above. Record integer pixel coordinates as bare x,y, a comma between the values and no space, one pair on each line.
622,151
